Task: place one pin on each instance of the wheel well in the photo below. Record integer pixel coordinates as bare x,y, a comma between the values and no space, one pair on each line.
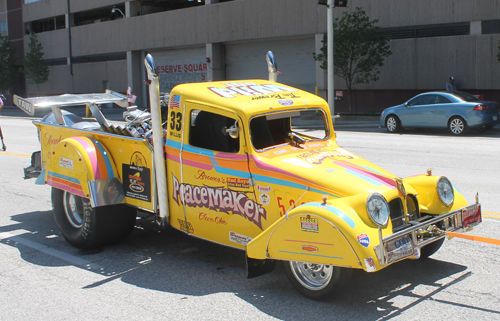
456,116
395,116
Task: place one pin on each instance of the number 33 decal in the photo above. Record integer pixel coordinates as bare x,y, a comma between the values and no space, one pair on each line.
175,121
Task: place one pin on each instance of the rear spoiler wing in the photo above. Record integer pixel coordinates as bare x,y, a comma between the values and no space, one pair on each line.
30,105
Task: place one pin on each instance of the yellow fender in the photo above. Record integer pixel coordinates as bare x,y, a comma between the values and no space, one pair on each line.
84,167
320,233
428,197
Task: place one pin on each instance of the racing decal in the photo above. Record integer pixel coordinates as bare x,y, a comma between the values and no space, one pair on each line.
218,198
66,183
175,101
285,102
346,218
101,164
137,182
202,176
188,228
207,218
137,159
176,122
364,239
264,199
66,163
367,175
264,189
309,224
231,90
309,248
49,140
238,182
471,215
238,238
370,265
317,156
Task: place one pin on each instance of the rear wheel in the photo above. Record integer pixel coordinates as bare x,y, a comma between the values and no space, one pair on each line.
457,125
393,124
317,281
86,227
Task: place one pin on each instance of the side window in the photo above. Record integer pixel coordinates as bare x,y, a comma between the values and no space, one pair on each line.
416,101
442,100
206,130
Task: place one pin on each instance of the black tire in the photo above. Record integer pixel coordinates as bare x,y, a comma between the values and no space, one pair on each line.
457,125
317,281
430,249
393,124
85,227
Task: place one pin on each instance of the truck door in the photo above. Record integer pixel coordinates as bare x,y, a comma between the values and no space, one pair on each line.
213,187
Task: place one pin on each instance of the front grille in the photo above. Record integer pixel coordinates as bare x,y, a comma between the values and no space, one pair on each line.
396,208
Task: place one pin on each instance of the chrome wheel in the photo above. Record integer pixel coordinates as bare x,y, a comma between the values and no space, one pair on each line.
312,276
392,124
73,208
457,126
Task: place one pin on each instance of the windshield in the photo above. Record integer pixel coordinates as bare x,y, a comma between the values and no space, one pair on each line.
273,129
464,96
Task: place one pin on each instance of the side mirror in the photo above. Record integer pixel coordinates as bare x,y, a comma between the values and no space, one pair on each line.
407,104
232,131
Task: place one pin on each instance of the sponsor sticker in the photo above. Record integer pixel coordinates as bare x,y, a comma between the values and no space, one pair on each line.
137,182
66,163
238,182
471,215
309,224
364,239
238,238
370,264
285,102
186,227
264,199
309,248
264,189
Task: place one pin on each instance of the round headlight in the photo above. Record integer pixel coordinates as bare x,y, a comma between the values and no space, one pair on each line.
378,209
445,191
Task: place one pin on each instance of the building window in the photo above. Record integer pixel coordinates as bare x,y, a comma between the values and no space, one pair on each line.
3,26
44,25
440,30
490,26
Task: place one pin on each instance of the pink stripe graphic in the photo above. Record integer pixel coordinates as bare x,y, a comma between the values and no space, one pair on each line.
90,149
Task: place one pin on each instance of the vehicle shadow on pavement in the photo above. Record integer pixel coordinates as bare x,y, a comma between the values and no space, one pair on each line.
173,262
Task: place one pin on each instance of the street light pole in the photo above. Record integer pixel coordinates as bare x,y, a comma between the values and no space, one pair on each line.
330,69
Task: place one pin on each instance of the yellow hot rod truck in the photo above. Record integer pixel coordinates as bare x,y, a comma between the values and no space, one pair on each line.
236,164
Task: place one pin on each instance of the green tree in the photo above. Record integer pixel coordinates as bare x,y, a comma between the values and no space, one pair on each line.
7,65
34,69
358,49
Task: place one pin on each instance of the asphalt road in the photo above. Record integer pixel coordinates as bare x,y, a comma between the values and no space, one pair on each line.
156,275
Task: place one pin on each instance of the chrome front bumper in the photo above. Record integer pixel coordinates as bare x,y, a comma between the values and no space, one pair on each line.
408,242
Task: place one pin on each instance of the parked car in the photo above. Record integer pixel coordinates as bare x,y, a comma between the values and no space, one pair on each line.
456,110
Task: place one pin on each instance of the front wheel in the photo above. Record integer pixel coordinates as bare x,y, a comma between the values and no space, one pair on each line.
317,281
393,124
457,126
86,227
430,249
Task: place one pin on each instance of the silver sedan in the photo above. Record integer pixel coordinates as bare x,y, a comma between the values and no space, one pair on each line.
458,111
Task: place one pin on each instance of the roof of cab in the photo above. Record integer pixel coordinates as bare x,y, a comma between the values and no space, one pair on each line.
246,96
